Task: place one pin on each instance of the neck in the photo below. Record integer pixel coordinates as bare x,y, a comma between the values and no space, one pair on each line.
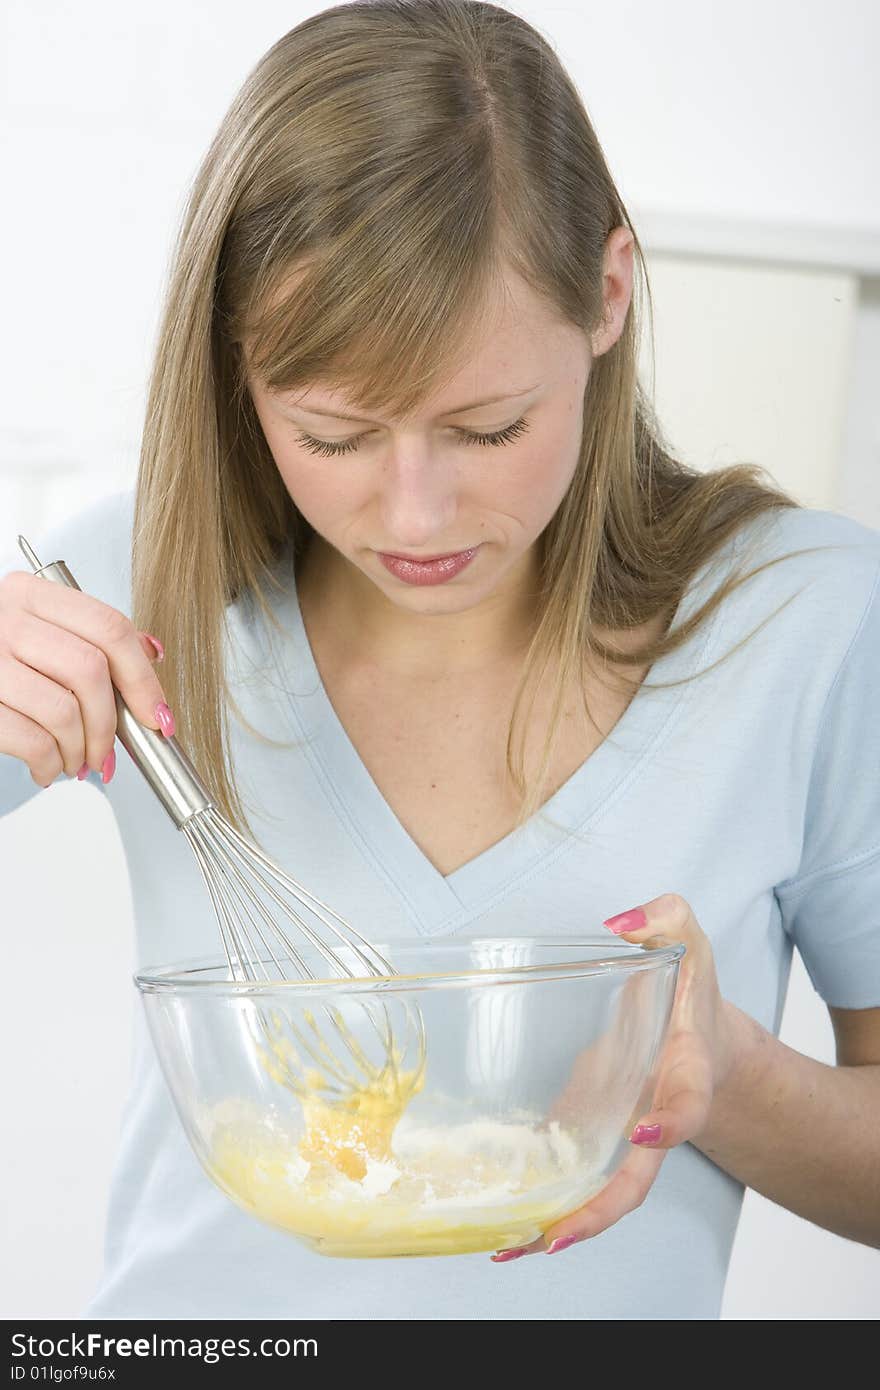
372,629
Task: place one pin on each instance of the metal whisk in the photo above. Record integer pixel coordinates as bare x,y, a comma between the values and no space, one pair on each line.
259,926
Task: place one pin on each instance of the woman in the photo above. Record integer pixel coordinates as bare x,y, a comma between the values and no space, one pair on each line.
400,326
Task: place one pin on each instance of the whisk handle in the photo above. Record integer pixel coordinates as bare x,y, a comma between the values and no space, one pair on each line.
161,760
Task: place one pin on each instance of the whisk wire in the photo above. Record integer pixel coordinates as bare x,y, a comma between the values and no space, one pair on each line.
221,844
374,962
245,958
248,964
234,921
249,851
232,868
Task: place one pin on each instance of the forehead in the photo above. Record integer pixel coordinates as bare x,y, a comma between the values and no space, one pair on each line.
509,341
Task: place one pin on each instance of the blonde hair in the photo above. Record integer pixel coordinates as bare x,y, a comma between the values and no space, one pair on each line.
400,153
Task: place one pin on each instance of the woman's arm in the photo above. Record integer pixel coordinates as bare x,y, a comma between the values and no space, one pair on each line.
804,1134
801,1133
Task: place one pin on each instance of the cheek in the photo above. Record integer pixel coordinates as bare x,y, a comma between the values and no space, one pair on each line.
322,489
537,483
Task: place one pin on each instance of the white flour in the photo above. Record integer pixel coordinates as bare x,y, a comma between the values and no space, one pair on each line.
472,1164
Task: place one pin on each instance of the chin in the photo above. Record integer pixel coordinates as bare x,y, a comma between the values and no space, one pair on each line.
436,598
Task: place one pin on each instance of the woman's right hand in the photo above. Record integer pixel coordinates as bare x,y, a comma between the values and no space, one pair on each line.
60,649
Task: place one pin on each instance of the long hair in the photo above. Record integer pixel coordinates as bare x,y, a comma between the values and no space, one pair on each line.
396,154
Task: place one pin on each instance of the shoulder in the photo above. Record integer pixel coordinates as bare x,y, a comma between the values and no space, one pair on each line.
832,544
823,565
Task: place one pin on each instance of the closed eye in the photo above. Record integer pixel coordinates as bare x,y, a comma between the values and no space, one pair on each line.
332,449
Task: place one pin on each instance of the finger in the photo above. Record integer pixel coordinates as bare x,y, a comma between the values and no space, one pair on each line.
671,918
151,647
63,683
101,626
23,738
670,915
683,1097
29,695
698,1005
622,1194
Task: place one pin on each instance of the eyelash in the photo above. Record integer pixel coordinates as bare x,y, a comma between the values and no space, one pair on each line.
347,446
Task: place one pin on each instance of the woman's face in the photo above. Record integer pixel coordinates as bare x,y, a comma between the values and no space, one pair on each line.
423,487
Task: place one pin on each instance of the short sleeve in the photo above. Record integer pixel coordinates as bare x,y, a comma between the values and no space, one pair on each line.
831,908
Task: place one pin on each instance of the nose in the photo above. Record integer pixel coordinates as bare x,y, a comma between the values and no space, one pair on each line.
419,498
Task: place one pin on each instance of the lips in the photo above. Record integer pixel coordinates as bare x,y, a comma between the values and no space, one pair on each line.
435,570
425,559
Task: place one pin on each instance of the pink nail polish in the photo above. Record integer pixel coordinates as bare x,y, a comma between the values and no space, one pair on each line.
160,650
513,1254
562,1243
626,921
108,766
646,1134
83,772
165,719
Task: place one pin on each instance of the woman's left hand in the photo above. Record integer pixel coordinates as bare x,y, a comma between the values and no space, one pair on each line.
697,1055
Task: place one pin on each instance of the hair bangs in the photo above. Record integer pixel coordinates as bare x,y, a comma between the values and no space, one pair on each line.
387,330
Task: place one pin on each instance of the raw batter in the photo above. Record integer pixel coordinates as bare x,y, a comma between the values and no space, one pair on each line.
448,1189
347,1189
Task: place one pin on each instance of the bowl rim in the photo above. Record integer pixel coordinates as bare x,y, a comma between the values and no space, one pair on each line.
178,978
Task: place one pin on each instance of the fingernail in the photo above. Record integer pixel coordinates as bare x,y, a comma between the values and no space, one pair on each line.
160,650
626,921
108,766
646,1134
562,1243
509,1254
165,719
83,772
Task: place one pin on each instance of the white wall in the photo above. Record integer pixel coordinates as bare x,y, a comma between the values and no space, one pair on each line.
740,133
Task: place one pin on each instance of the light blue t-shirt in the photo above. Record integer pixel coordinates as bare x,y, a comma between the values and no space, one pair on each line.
754,792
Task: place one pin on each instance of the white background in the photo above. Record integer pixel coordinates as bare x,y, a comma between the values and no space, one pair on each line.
712,117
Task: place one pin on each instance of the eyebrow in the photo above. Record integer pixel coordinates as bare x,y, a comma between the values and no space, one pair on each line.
456,410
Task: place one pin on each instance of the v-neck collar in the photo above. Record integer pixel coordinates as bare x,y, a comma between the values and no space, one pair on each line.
438,904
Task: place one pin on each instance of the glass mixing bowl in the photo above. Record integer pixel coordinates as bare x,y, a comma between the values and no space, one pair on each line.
324,1109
